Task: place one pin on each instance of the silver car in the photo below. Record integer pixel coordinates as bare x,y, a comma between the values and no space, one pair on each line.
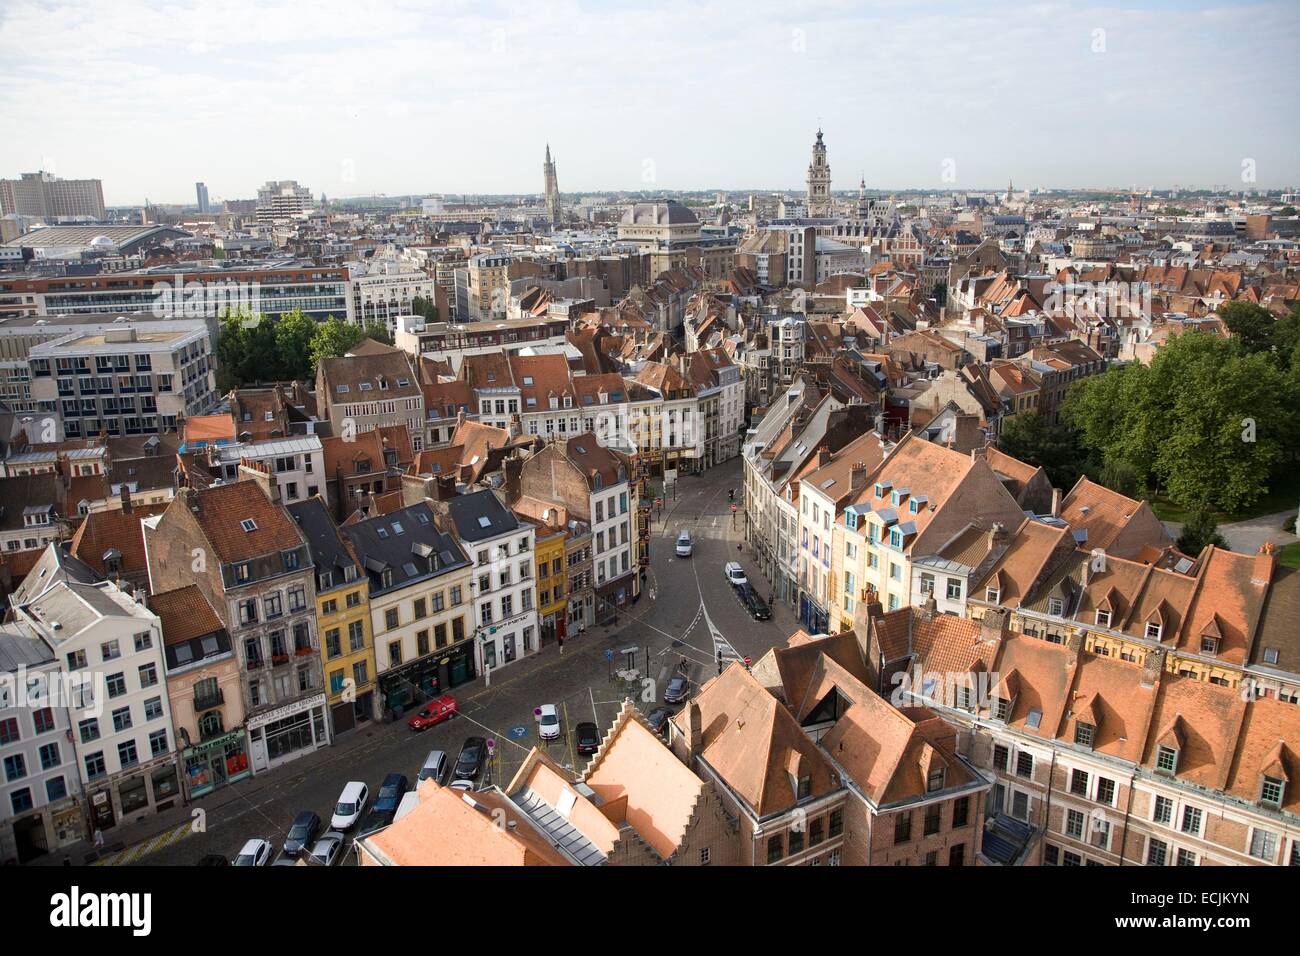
685,546
328,848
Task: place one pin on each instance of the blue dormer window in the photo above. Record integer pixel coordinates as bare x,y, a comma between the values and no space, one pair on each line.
851,520
914,506
895,538
880,490
894,499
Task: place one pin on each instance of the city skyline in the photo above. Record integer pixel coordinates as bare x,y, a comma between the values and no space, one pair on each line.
916,96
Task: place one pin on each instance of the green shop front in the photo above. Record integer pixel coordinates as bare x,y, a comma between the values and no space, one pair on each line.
214,763
412,684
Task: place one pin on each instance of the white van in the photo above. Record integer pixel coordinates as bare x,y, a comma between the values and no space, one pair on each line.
352,803
735,574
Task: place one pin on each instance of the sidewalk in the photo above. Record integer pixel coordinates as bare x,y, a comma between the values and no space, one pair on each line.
128,843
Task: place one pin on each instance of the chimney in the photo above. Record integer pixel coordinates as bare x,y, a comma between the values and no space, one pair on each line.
858,476
823,457
929,607
997,535
1152,665
513,468
694,736
1265,564
993,626
126,498
514,429
1056,502
977,453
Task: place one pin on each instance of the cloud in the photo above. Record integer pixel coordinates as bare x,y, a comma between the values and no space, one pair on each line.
461,97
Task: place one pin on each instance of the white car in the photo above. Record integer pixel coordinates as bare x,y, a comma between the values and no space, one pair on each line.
352,803
254,853
548,722
327,850
685,546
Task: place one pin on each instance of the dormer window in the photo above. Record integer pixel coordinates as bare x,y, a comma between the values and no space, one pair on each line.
1166,759
934,780
894,498
248,524
914,506
1270,792
1055,607
895,538
243,572
1103,618
1084,734
1001,709
1270,655
1153,630
879,490
291,560
326,580
386,578
993,595
1209,645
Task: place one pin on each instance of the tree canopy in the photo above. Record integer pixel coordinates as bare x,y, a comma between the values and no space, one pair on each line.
256,348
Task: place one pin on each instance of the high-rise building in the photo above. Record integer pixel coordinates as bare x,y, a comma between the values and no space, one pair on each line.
283,200
202,191
819,181
42,194
552,188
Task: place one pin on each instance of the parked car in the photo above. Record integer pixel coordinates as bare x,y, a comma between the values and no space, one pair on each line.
254,853
462,785
548,722
373,822
756,606
286,861
434,712
658,720
469,764
735,574
390,793
685,546
588,737
328,849
352,803
302,832
212,859
677,690
435,767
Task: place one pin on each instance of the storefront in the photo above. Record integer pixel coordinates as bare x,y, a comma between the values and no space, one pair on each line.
280,735
612,598
130,796
214,763
350,714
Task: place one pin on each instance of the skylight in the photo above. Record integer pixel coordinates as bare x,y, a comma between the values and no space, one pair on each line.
248,524
484,521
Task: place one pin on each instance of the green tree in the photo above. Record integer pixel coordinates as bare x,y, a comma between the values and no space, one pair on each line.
332,339
1252,325
1201,529
1204,423
425,308
293,336
1056,448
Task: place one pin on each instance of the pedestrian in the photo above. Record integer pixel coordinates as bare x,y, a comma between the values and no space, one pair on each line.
738,546
99,839
67,860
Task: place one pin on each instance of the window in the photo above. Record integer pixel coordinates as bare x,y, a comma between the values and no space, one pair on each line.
1055,607
1001,757
1270,792
394,653
796,842
1157,852
1103,618
44,720
1191,821
960,812
1263,845
1079,783
15,767
835,824
902,828
1166,759
954,589
932,820
1164,810
1074,824
143,641
1024,765
935,780
122,719
704,856
1106,791
148,674
1084,733
775,849
390,619
127,754
1153,631
110,651
9,730
116,684
1186,858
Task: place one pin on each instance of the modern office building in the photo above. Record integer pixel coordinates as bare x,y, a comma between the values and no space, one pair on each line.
51,198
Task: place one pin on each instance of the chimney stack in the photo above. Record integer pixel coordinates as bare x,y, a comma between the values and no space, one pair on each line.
823,457
694,732
1265,564
1152,665
997,535
513,470
993,626
1056,502
126,498
858,476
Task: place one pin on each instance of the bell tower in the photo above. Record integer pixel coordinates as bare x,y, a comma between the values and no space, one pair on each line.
819,181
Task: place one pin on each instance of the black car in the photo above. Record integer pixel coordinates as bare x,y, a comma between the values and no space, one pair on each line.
588,737
756,606
374,821
390,794
658,720
473,754
677,690
302,833
212,859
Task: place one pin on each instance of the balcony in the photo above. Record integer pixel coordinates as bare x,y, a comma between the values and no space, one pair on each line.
209,699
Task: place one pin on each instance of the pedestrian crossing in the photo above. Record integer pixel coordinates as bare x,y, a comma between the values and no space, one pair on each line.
722,532
134,854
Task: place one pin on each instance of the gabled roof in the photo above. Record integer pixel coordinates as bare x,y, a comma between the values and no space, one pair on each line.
221,511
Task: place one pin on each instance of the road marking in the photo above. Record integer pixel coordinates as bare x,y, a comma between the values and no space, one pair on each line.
133,853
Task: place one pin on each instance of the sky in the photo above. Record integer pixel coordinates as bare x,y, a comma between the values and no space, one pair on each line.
443,96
